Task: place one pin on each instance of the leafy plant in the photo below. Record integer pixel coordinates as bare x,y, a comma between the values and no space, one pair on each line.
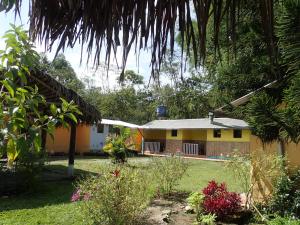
168,171
116,197
117,144
286,197
208,219
219,201
21,117
240,165
195,200
283,221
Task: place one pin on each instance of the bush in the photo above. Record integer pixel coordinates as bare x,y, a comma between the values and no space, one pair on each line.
283,221
286,197
168,171
195,200
117,144
116,197
219,201
209,219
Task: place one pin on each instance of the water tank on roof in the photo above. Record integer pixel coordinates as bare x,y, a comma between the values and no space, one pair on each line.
161,111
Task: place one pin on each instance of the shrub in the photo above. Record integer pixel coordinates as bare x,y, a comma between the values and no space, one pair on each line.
168,171
117,144
195,200
286,197
116,197
219,201
284,221
209,219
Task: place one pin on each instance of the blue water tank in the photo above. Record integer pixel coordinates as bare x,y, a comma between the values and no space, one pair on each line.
161,111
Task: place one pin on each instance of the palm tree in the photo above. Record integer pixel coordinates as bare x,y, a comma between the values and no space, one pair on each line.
106,24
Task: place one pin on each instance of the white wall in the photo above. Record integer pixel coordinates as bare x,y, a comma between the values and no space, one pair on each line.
97,140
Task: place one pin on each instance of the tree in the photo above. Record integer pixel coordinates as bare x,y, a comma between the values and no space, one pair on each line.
130,78
24,113
62,71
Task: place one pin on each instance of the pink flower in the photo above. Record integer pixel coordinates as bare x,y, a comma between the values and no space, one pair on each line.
86,196
75,196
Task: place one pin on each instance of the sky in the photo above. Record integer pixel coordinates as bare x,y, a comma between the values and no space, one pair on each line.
141,65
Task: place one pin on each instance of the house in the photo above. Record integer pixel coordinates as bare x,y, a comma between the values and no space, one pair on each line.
89,138
206,137
263,186
290,149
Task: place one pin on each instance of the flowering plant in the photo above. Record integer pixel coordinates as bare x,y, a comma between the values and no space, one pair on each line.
78,195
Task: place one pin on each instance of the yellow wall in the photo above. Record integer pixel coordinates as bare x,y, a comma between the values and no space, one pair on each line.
178,137
83,138
154,134
61,141
227,135
292,150
194,135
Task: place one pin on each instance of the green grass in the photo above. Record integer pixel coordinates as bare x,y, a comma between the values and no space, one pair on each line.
52,204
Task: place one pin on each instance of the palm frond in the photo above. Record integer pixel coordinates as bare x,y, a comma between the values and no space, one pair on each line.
104,25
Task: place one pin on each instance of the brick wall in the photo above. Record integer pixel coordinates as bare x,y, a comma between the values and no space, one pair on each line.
173,146
216,148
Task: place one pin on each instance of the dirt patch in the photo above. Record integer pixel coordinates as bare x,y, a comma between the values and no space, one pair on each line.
169,210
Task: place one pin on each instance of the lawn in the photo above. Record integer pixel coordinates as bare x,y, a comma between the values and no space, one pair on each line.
52,204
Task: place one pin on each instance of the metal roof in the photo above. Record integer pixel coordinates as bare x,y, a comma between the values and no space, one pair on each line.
203,123
119,123
245,98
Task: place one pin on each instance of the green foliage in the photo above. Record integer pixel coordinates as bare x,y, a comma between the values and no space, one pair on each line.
168,172
195,200
21,117
62,71
116,144
286,197
130,78
283,221
116,197
240,165
208,219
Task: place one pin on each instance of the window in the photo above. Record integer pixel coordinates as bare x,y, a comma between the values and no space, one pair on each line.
100,128
237,133
174,133
217,133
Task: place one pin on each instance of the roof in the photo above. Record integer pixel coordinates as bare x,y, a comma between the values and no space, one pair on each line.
53,90
203,123
119,123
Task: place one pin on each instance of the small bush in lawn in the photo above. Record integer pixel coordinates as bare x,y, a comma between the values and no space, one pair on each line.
116,197
168,171
219,201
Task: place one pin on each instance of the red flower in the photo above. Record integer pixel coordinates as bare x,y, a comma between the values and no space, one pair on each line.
116,173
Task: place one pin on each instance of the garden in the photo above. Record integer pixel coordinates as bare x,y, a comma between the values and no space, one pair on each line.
237,48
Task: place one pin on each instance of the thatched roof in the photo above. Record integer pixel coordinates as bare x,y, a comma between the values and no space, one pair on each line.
53,90
107,24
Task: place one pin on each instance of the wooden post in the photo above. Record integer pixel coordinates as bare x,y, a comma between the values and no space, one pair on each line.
72,150
44,140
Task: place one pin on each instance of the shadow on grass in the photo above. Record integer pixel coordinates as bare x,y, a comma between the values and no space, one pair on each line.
53,189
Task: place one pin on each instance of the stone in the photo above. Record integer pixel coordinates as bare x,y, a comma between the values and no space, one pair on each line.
166,218
166,212
189,209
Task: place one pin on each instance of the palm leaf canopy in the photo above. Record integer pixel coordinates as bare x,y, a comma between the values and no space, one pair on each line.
135,24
